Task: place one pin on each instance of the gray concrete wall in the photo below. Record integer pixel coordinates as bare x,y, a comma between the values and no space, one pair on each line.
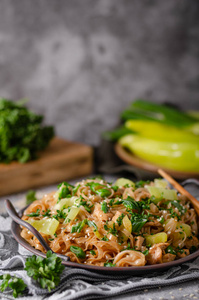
81,62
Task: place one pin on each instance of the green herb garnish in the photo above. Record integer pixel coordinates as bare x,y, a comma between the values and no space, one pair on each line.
109,264
173,213
180,207
138,221
13,282
30,197
141,183
64,190
34,214
86,205
170,250
46,271
78,252
79,226
111,230
104,207
111,202
103,193
131,204
92,252
161,220
92,224
115,188
60,215
46,213
74,191
94,186
105,239
146,252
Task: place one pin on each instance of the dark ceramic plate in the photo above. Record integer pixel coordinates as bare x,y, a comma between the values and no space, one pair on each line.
16,229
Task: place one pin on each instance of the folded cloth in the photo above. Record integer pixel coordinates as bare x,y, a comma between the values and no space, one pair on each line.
82,284
79,283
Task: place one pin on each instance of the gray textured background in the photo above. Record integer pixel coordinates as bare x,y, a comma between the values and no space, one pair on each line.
80,62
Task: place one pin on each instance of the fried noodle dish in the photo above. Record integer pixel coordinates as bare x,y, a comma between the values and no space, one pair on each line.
119,224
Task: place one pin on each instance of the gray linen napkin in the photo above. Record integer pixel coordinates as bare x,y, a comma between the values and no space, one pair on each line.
82,284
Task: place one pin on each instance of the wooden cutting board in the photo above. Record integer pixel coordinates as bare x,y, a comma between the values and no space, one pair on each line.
62,160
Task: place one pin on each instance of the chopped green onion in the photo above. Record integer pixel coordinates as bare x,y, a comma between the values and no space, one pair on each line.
78,252
104,207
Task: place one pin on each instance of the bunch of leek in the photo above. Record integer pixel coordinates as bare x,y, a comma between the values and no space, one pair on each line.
160,134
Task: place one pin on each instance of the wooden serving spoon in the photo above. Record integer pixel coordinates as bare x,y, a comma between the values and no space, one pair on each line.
14,215
180,189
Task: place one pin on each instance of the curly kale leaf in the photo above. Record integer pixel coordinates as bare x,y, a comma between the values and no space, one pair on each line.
21,133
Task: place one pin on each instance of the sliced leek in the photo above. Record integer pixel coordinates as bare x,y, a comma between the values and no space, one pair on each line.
160,183
66,202
46,226
160,193
127,224
121,182
157,238
73,213
182,228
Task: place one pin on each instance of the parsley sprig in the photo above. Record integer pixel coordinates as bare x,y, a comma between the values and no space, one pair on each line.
46,271
13,282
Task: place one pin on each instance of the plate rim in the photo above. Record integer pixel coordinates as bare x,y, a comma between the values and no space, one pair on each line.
15,228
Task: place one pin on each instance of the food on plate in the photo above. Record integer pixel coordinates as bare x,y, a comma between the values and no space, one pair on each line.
160,135
173,155
21,132
120,224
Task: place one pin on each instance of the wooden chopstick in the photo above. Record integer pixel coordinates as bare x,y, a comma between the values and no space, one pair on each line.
180,189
